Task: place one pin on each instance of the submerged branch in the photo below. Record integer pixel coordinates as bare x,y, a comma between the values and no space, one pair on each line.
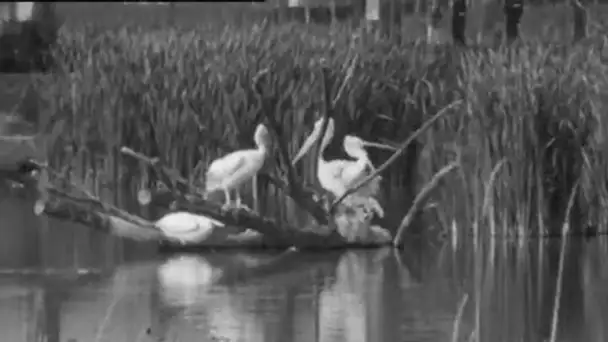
395,155
419,201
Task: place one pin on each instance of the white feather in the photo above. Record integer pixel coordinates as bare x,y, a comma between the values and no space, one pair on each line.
339,175
186,227
232,170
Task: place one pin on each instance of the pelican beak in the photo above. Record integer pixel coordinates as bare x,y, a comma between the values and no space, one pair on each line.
312,138
380,146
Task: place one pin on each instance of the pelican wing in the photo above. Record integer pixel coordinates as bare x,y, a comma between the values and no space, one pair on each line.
347,171
224,167
335,168
353,172
245,171
186,227
185,222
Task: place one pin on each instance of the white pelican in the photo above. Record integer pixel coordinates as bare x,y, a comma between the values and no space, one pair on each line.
230,171
185,227
337,176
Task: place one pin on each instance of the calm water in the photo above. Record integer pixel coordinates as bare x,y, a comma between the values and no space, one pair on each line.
62,282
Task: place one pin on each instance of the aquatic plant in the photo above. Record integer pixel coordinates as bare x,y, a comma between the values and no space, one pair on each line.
186,95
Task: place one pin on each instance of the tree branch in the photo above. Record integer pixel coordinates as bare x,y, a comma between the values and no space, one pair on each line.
395,155
329,107
276,234
91,211
327,114
301,197
420,200
88,209
168,176
274,125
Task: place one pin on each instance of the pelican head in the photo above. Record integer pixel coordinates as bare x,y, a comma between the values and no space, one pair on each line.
261,137
355,148
314,136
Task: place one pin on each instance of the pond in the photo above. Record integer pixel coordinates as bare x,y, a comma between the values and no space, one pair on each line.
63,282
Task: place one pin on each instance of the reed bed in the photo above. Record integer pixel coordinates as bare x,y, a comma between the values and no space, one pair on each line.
186,94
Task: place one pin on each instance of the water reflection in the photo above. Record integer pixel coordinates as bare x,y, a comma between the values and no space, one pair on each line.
242,297
62,282
185,280
351,307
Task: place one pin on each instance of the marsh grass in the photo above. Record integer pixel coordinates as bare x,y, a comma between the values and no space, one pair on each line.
528,287
537,110
185,94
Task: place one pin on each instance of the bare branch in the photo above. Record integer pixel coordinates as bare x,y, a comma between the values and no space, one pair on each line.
327,114
169,176
194,203
90,210
420,200
329,108
301,197
274,125
395,155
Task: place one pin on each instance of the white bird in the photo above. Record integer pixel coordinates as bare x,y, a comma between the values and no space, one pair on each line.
185,227
337,176
232,170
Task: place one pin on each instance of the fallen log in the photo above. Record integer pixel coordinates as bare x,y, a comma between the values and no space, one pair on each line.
349,226
91,211
187,198
342,224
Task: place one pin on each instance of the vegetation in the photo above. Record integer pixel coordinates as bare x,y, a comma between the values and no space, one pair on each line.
528,127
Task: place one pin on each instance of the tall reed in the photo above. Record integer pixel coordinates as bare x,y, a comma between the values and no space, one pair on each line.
186,95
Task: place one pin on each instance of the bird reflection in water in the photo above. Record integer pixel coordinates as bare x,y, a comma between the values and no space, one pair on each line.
188,282
347,308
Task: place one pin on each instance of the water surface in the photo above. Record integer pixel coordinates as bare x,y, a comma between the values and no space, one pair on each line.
63,282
